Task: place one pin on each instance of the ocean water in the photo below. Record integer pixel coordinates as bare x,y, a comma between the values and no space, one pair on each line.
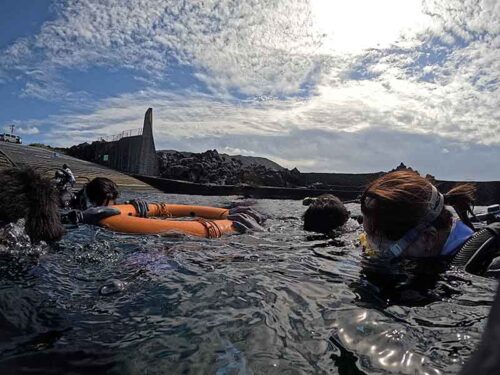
281,301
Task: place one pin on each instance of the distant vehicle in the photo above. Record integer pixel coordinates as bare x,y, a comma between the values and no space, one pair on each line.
6,137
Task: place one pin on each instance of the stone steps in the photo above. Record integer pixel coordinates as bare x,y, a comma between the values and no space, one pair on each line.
48,161
5,162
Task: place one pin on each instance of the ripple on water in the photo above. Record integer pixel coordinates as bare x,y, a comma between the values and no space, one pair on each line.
280,301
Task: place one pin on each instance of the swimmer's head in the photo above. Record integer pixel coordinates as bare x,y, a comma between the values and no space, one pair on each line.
405,215
101,191
65,166
25,193
325,214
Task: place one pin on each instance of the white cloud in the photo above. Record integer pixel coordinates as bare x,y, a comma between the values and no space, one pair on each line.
356,25
237,151
427,70
253,47
27,130
296,132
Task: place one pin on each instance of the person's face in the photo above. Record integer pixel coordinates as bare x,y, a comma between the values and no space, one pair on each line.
428,243
425,246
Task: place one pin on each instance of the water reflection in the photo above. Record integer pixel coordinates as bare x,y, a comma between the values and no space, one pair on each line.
379,343
273,302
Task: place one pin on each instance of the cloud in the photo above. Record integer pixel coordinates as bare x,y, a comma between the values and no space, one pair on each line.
237,151
428,71
252,47
366,151
297,132
27,130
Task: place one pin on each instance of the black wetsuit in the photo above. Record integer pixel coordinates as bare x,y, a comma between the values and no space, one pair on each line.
480,254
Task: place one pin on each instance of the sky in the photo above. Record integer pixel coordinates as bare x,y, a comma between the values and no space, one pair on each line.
321,85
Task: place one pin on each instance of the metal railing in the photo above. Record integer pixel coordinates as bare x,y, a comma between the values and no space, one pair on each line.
123,134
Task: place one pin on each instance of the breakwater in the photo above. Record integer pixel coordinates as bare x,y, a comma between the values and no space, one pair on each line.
211,173
488,192
134,154
248,191
48,161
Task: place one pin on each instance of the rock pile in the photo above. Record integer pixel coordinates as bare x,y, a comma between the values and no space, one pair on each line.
211,167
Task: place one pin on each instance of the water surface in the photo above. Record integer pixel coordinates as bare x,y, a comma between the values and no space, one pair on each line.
276,302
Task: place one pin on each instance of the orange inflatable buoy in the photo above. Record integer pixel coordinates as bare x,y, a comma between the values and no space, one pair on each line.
128,222
177,210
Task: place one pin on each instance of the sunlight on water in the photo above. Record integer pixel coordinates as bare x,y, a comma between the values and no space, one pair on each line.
280,301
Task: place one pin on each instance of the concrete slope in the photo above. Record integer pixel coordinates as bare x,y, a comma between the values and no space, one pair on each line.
47,161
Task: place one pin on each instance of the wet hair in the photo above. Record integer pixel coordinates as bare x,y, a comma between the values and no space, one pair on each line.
65,166
324,214
25,193
101,190
398,201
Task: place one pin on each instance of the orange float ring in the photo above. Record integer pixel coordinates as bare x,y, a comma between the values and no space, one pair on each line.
128,222
177,210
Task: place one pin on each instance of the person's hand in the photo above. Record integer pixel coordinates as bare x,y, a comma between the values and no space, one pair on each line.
244,223
259,218
140,205
93,215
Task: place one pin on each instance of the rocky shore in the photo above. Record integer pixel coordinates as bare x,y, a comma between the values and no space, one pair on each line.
211,167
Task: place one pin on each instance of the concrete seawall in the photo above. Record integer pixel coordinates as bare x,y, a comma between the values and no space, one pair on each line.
488,192
47,161
133,154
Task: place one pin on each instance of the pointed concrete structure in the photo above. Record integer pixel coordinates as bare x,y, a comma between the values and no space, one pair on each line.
149,161
135,154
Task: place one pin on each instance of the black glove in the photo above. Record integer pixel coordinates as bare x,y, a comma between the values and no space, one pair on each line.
244,223
249,211
90,216
141,207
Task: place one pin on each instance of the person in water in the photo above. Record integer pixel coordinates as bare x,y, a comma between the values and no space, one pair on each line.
324,214
405,216
101,191
70,177
26,194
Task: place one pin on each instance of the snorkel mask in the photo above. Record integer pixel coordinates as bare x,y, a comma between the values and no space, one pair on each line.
376,245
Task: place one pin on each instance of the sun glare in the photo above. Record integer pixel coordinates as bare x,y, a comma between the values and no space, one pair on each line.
355,25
